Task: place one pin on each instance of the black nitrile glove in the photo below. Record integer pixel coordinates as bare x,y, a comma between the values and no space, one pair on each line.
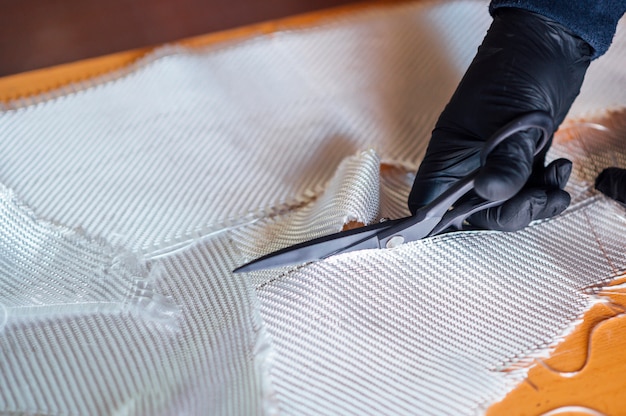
526,63
612,183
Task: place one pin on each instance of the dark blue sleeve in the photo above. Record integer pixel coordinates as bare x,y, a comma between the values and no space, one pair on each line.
594,21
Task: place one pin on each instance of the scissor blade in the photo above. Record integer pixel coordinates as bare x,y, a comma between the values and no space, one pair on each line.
320,248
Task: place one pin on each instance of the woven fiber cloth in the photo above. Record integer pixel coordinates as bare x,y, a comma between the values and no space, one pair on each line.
127,201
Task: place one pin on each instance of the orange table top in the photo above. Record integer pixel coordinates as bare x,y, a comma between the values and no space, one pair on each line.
35,82
583,376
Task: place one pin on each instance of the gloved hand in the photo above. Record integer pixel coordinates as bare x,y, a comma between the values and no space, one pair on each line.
612,183
526,62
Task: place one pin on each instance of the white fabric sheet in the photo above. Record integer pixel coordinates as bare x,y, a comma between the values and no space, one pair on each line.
195,161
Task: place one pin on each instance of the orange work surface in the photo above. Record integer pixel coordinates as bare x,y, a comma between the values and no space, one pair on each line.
584,375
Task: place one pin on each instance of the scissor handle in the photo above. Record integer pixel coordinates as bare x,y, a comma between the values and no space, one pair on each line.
429,220
456,217
536,119
437,216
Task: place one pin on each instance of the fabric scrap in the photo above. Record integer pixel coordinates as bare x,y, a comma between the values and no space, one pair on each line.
446,325
352,195
48,270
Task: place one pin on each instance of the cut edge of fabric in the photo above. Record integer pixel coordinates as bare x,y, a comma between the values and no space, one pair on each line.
92,276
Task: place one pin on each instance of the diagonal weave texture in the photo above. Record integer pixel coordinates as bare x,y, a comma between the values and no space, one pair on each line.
41,277
194,161
155,158
450,323
436,326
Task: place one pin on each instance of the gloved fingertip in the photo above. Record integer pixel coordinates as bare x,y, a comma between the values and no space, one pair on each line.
555,202
557,173
612,182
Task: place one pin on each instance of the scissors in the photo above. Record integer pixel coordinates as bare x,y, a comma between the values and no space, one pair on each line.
447,212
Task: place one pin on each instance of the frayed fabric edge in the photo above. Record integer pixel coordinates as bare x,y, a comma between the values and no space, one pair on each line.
118,281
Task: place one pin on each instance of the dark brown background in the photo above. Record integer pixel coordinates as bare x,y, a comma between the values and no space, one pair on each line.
40,33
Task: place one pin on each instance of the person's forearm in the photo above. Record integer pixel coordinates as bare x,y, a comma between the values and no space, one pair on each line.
594,21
